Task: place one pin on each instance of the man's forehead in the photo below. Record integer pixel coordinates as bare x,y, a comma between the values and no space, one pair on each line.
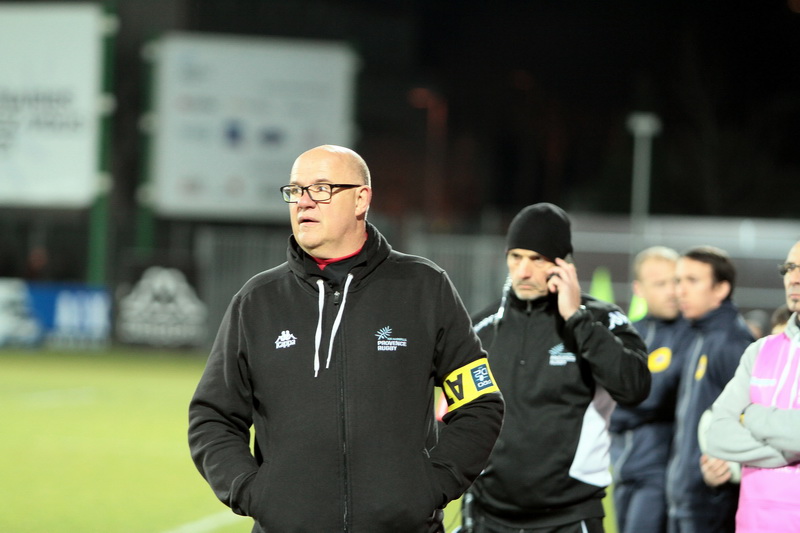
794,254
322,165
525,252
658,262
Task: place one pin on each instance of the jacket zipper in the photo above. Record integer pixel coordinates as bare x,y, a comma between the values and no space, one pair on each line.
345,465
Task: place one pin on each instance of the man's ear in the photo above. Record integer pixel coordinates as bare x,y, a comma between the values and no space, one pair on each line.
363,200
722,290
637,288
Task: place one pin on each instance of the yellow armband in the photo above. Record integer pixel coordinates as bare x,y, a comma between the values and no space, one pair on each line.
468,382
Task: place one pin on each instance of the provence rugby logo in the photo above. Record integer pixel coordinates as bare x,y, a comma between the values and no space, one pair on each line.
387,343
559,356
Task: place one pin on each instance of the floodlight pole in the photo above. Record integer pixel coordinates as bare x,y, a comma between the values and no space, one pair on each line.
643,126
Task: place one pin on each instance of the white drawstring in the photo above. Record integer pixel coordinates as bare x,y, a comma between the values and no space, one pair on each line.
318,335
338,319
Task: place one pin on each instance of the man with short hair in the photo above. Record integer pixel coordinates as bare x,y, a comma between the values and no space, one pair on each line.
563,360
706,279
332,357
756,421
641,436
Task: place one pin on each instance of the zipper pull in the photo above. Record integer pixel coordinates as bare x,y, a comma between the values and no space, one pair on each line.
336,296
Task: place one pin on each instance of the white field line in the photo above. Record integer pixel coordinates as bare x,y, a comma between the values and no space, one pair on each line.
209,523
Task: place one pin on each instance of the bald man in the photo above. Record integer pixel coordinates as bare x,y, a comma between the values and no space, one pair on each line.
332,357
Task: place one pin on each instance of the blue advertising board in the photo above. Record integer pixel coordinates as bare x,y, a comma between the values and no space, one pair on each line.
34,313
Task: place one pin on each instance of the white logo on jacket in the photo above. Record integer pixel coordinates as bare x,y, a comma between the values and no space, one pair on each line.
616,318
558,357
387,343
285,339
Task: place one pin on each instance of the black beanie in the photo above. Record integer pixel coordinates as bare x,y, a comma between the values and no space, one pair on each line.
543,228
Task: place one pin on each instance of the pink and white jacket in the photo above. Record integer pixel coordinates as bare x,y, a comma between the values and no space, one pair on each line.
756,422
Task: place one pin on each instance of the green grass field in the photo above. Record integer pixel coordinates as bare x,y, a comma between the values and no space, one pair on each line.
96,442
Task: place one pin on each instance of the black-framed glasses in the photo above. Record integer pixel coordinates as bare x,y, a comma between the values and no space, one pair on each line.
319,192
785,268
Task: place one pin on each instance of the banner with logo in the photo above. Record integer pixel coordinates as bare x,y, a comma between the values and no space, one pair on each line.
54,314
162,309
50,87
232,113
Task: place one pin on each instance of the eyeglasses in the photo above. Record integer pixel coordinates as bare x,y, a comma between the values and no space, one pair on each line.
785,268
318,192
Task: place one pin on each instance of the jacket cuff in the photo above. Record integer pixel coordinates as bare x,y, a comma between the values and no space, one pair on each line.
448,486
578,317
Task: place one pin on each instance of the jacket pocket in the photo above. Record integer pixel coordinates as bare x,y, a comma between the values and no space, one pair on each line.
399,496
250,493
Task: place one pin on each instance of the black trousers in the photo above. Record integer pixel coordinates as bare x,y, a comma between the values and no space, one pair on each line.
480,522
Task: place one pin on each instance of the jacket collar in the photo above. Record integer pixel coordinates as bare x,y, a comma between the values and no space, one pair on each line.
540,303
374,252
726,312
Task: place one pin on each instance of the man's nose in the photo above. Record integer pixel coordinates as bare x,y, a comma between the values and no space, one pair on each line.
524,269
305,199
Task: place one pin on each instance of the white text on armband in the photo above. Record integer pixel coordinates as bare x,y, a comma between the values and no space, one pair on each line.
468,383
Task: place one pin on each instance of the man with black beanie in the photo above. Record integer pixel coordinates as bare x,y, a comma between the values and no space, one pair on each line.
563,361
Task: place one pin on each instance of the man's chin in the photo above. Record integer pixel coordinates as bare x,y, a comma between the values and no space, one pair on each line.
529,294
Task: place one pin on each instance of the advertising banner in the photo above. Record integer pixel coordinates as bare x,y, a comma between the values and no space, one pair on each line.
50,85
162,309
53,314
232,113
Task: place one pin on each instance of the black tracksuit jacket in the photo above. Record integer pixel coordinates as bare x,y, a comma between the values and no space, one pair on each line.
560,381
352,447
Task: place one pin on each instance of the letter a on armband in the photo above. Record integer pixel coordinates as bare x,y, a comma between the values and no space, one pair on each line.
468,383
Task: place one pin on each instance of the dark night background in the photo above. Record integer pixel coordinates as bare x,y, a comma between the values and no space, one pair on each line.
471,107
537,93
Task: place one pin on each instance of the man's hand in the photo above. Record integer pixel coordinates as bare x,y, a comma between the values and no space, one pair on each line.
563,279
715,471
436,522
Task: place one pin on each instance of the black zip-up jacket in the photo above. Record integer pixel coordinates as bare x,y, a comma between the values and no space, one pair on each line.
560,382
347,446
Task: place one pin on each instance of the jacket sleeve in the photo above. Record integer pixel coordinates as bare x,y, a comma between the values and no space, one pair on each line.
726,436
476,406
220,416
616,354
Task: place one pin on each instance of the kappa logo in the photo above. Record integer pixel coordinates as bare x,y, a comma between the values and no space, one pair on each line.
387,343
616,318
285,339
558,357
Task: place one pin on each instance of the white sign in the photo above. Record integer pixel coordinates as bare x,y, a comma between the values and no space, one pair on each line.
232,114
50,86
